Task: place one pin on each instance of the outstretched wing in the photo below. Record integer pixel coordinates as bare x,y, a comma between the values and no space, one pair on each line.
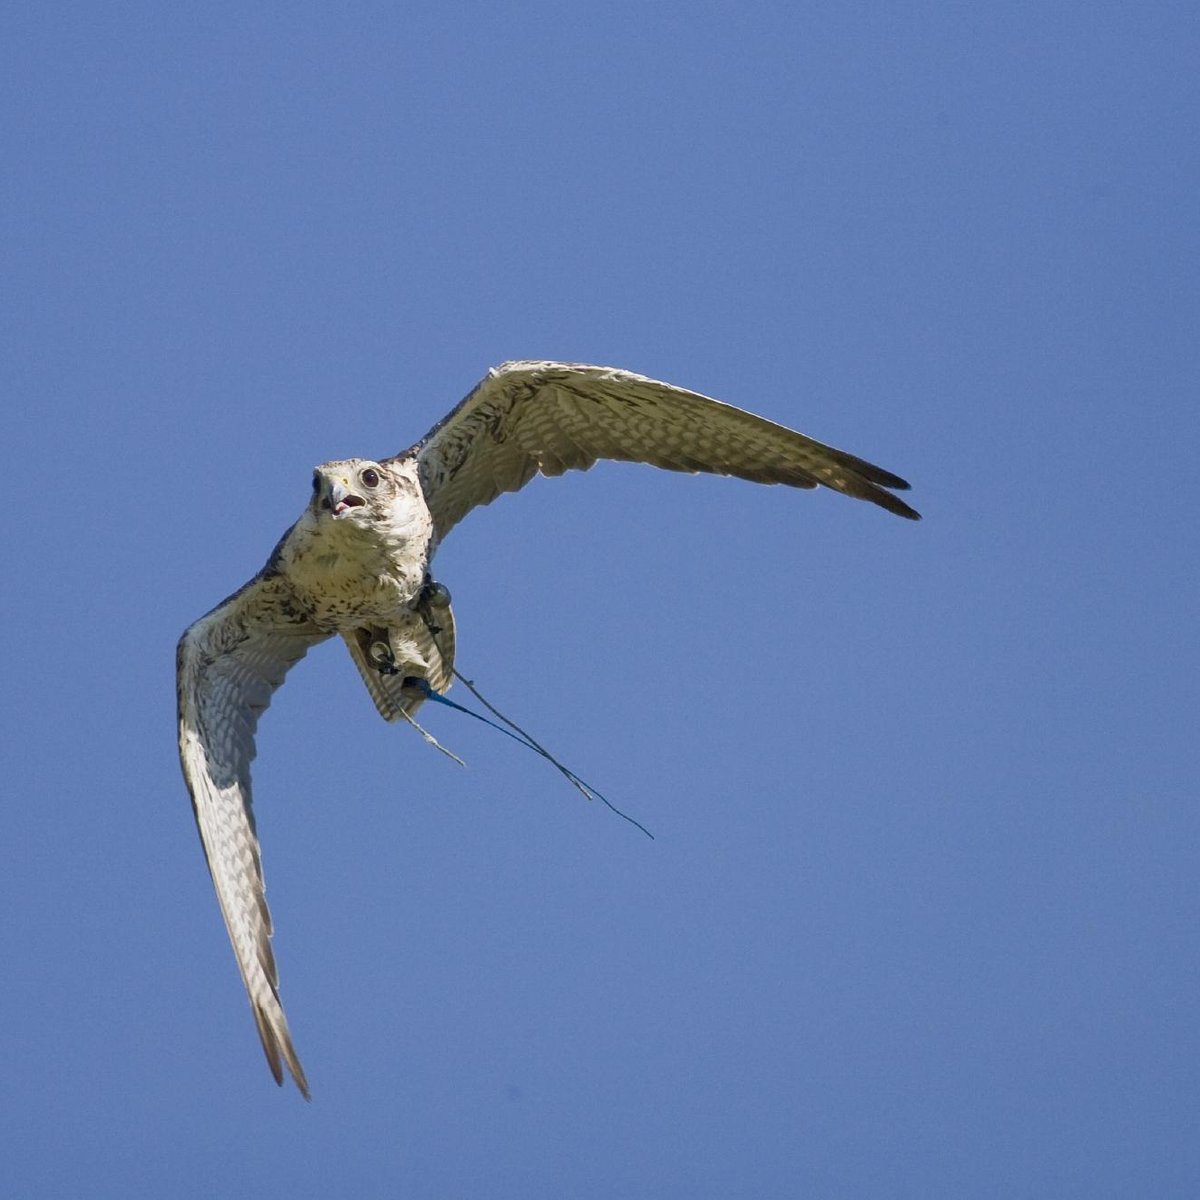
228,665
548,417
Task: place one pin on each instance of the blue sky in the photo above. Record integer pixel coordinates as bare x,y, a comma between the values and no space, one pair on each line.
920,917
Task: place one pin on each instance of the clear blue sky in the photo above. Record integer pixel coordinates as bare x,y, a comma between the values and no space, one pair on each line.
921,915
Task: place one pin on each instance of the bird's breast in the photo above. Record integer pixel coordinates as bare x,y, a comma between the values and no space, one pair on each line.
347,580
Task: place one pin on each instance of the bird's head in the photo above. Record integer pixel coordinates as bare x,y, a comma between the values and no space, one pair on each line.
353,489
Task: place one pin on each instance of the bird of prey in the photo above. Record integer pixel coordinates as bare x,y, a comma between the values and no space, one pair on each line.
356,564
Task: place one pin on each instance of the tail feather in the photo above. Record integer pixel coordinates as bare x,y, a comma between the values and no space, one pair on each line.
421,644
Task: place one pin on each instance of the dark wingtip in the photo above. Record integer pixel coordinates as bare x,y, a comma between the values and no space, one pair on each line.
888,480
895,505
869,482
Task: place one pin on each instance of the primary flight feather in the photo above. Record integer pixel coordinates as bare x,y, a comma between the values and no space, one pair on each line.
356,564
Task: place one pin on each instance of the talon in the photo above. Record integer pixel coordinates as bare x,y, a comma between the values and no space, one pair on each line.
434,593
382,657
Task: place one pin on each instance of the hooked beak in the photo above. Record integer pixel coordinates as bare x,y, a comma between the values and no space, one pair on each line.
340,500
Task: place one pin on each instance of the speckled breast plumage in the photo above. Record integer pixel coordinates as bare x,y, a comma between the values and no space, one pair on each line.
347,576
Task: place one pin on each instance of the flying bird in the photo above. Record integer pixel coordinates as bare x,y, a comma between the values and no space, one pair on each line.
356,564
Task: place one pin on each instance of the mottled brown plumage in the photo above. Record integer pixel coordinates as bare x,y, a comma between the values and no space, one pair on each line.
356,564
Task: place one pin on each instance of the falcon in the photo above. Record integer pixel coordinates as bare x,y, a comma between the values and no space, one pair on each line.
356,565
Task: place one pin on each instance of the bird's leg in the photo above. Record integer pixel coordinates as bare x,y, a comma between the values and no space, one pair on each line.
432,594
432,591
379,651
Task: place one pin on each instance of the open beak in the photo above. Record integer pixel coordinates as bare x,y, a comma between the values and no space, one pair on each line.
340,500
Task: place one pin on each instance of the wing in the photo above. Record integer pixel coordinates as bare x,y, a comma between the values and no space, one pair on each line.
547,417
228,665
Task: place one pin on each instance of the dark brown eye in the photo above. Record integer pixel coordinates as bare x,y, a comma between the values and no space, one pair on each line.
316,482
370,477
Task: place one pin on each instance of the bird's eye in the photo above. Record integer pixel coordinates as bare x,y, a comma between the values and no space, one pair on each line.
316,482
370,477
